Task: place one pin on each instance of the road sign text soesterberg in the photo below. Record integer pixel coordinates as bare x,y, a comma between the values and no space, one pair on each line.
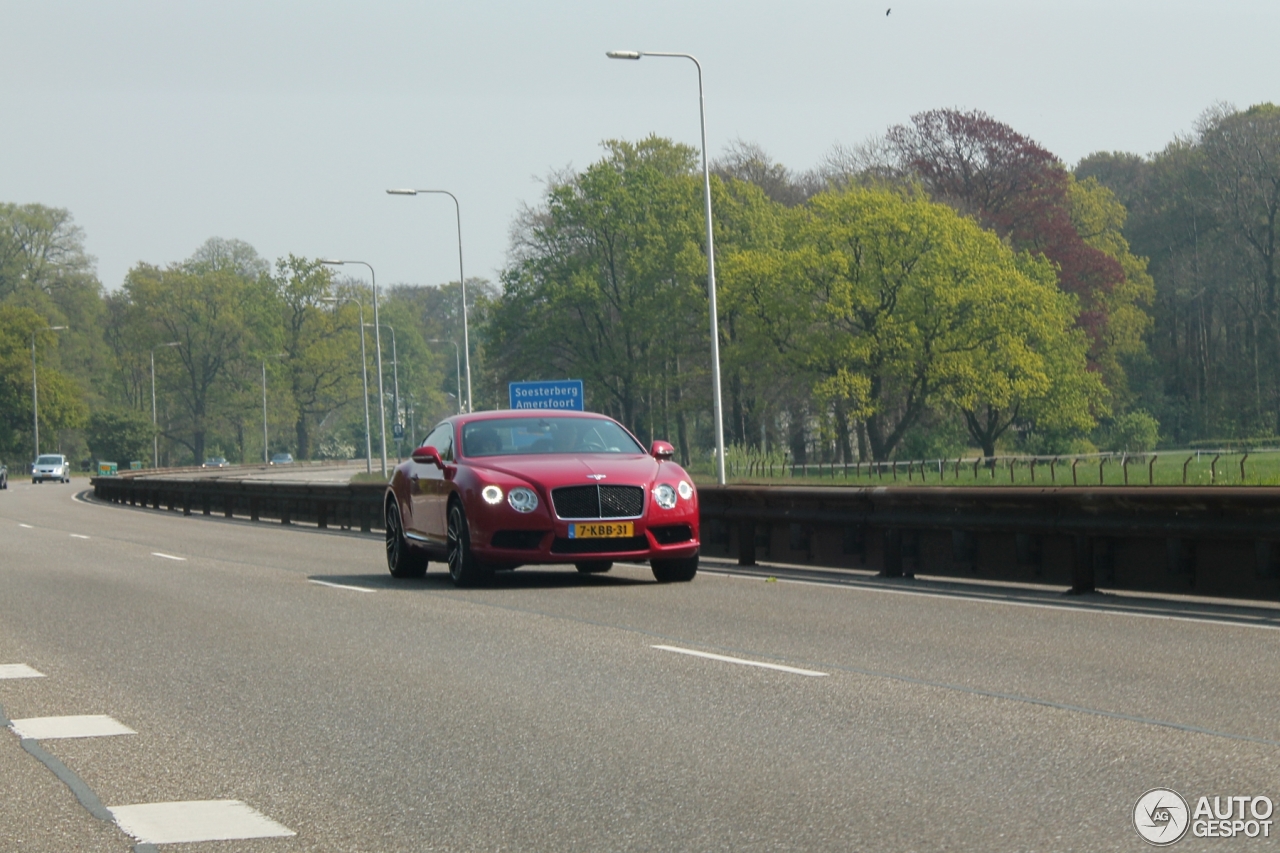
548,394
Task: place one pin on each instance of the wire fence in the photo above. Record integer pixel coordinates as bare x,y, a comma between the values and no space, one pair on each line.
1193,467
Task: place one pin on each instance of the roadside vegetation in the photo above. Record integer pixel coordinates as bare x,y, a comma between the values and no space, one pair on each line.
950,290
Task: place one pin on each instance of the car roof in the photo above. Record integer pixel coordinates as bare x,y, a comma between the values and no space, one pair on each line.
525,413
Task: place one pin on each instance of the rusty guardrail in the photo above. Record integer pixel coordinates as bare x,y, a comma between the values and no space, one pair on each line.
1219,542
350,506
1223,541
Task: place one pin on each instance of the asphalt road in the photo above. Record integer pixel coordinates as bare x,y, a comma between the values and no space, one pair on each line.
284,669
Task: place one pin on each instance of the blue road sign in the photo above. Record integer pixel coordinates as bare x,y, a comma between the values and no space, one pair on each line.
551,394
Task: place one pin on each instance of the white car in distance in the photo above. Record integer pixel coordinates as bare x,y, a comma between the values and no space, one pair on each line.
51,466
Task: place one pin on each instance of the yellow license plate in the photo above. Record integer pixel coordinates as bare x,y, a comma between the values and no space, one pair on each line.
617,530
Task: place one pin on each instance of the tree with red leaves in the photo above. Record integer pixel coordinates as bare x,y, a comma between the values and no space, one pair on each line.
987,170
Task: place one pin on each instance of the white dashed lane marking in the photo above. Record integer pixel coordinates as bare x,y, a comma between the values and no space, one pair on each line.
743,661
78,536
27,526
49,728
18,670
196,820
168,556
341,586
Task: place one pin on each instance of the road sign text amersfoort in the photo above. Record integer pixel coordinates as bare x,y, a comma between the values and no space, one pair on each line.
550,394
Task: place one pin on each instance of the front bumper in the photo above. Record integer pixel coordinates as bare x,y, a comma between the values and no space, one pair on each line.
672,538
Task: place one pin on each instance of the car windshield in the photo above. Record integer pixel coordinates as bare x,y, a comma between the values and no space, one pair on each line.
49,460
529,436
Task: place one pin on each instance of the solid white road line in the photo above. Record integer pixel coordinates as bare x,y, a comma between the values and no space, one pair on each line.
791,669
89,725
168,556
18,670
196,820
341,586
1097,611
78,536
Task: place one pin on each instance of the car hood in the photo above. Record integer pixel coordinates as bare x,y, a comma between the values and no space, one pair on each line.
554,470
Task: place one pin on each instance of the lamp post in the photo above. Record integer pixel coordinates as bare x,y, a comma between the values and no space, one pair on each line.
35,388
711,255
462,280
457,367
364,376
265,459
155,436
377,344
395,385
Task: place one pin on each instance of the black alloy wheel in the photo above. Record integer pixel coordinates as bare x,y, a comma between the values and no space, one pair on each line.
675,571
594,567
403,560
464,568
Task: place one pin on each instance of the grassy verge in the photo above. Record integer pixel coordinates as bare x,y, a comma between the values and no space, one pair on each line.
1169,469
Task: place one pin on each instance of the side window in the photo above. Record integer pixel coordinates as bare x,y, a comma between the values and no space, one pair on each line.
441,438
446,442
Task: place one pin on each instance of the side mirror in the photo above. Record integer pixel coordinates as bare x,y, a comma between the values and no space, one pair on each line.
428,456
662,451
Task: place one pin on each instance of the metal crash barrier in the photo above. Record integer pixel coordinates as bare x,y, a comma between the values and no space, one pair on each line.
349,506
1215,542
1222,541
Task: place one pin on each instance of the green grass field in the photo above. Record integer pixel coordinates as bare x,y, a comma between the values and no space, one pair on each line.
1260,469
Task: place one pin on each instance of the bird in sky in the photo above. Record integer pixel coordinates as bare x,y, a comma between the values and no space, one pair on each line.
887,11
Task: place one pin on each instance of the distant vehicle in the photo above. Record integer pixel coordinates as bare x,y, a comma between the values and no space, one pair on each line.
282,459
215,462
4,476
51,466
496,490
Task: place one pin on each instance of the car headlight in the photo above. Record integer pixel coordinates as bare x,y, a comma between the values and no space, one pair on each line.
685,489
665,496
522,499
491,494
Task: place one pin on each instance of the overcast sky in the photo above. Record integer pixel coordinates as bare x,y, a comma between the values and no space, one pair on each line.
161,124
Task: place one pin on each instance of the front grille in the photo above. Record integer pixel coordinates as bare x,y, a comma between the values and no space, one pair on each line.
520,540
599,546
672,533
599,501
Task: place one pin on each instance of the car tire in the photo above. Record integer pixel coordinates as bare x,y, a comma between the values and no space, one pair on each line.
675,571
403,560
594,567
464,568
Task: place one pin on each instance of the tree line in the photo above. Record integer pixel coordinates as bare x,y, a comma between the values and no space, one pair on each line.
220,326
950,284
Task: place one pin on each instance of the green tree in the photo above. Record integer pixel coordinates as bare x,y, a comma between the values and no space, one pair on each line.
120,435
62,404
44,267
222,315
607,285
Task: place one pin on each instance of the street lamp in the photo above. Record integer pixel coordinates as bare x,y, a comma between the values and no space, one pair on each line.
364,375
377,343
711,255
462,281
35,391
457,367
395,384
155,436
265,460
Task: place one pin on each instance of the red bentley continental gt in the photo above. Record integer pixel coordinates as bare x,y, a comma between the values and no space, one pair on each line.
497,490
